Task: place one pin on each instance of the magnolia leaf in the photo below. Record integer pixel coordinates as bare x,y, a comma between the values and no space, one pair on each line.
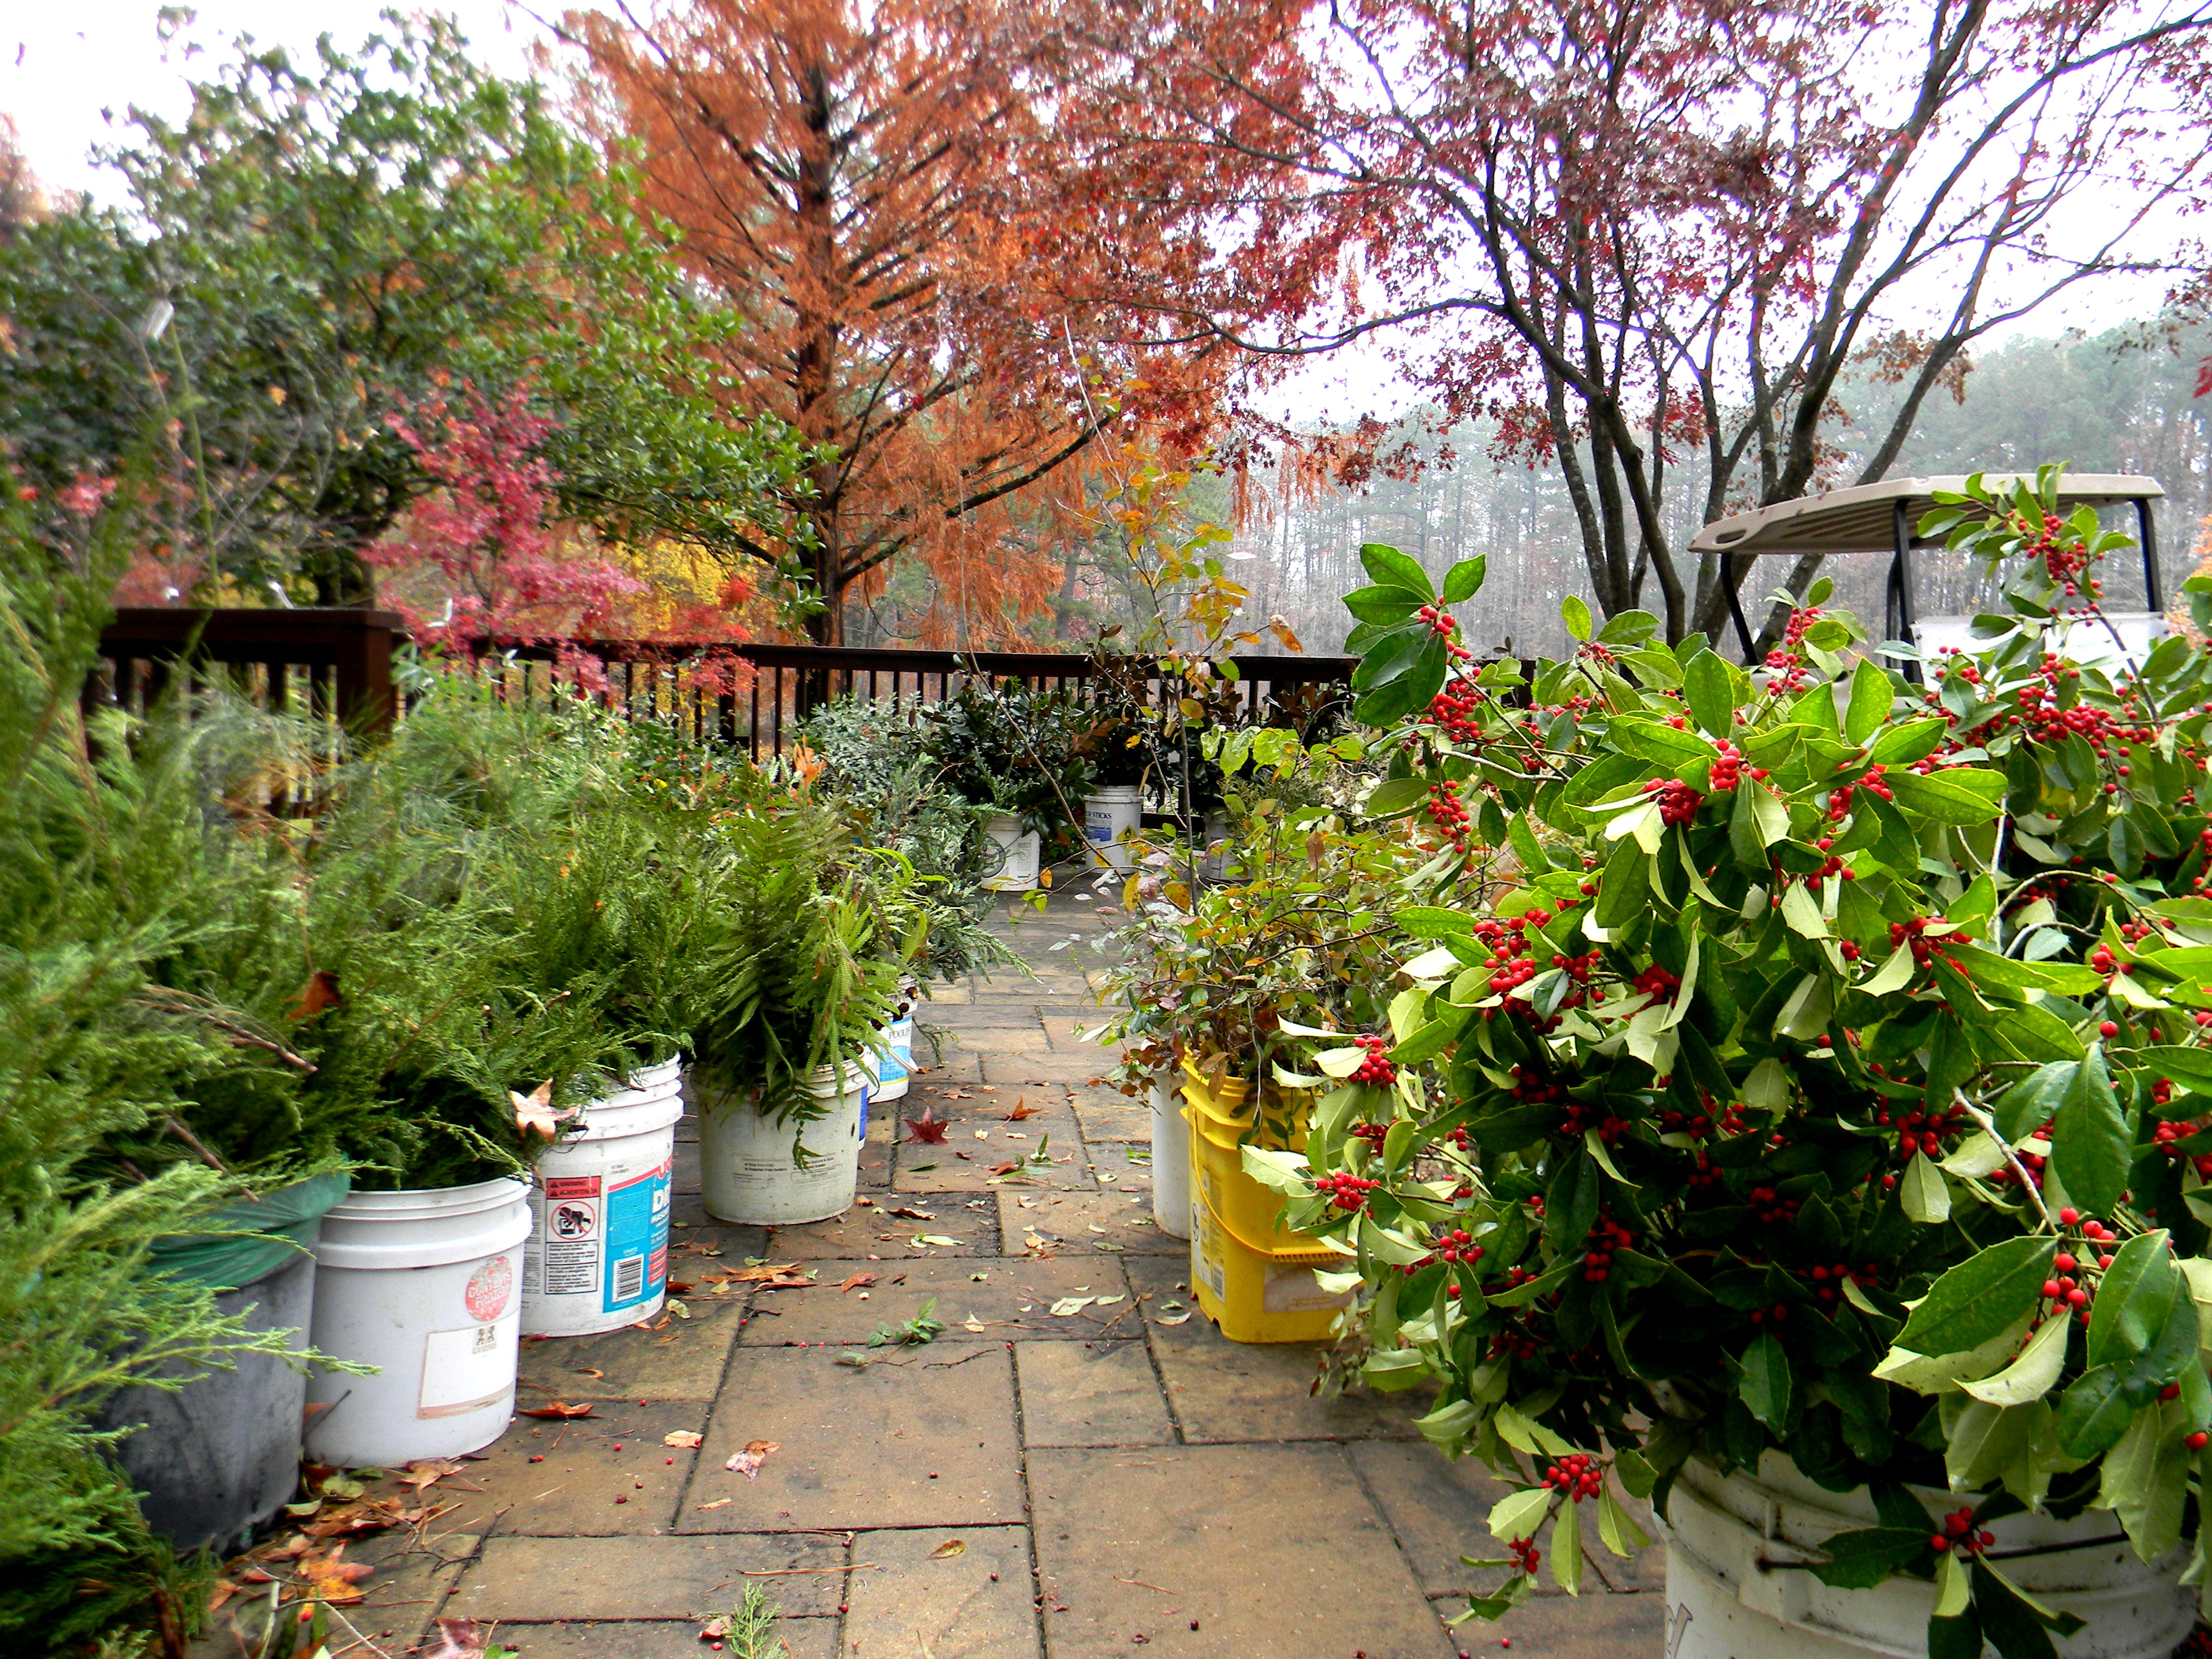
2031,1376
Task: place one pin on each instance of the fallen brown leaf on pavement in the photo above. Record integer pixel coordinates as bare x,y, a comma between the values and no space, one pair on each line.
684,1438
748,1461
928,1129
858,1282
426,1471
332,1579
1022,1110
950,1546
557,1410
458,1638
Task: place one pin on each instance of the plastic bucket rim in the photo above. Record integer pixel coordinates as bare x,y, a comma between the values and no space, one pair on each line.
477,1198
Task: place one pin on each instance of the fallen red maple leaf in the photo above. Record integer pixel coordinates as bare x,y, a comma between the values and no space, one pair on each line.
928,1128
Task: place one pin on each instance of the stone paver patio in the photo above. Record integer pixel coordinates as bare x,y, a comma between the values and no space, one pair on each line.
1079,1484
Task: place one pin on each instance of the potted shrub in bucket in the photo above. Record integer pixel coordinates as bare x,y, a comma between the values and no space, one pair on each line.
1824,1085
801,967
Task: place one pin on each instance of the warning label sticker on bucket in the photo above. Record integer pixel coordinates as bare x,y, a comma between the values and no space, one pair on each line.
568,1254
467,1368
636,1238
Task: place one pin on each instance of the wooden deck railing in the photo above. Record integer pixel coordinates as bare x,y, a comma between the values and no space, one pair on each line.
338,665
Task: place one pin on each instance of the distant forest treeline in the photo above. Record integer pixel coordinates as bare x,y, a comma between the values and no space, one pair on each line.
2122,401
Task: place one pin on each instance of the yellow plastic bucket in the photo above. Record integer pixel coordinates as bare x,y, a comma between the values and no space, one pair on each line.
1261,1296
1253,1277
1219,1122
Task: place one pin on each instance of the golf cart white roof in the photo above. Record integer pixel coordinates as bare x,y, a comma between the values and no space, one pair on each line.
1863,519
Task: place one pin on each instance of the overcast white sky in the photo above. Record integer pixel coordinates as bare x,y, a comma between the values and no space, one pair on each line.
64,68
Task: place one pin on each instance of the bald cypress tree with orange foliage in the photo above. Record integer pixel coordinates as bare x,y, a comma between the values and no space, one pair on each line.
868,188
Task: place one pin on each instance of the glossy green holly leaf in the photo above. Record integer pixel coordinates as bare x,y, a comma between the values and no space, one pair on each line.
1464,580
2089,1146
1861,1560
1391,569
1576,616
1763,1384
1981,1296
1962,796
1383,604
1871,697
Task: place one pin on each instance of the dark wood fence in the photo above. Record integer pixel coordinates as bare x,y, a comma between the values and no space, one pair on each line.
338,665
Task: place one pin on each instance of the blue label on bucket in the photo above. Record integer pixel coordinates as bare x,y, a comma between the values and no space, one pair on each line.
637,1239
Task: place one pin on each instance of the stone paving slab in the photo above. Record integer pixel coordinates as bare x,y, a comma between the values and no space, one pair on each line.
1007,1298
1437,1509
1005,1069
803,1638
948,1593
525,1580
1225,1392
1109,1114
924,1437
683,1361
876,1227
1111,1222
1266,1549
602,1474
967,1166
1090,1394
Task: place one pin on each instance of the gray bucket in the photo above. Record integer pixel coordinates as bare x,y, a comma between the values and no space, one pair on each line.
218,1459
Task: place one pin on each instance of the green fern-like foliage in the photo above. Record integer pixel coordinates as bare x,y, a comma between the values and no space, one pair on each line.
800,957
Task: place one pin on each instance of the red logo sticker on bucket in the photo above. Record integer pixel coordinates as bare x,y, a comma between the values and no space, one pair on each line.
489,1289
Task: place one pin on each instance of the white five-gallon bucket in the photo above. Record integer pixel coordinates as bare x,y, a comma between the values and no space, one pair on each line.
598,1254
749,1172
891,1068
1732,1588
1115,810
1171,1209
427,1287
1022,850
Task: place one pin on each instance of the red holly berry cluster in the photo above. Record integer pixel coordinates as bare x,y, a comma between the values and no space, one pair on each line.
1373,1134
1678,802
1458,709
1958,1534
2066,1293
1525,1555
1606,1236
1459,1246
2167,1136
1924,947
1827,1282
1786,663
1348,1190
1581,1117
1922,1131
1448,813
1770,1208
1578,1475
2004,1174
1727,765
1376,1070
1839,799
1780,1311
1656,983
1438,620
1834,866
